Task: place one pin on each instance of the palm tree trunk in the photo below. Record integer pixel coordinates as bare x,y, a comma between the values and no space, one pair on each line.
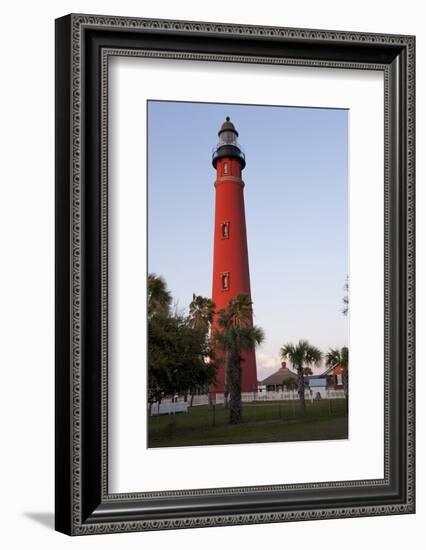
234,387
226,389
301,389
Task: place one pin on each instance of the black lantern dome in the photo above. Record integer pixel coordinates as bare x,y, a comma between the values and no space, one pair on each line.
228,145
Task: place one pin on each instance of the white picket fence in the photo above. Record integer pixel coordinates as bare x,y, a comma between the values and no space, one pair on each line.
261,396
169,407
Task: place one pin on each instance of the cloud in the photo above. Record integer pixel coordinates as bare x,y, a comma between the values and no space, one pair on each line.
267,363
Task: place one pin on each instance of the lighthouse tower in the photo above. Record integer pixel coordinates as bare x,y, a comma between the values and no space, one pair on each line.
230,262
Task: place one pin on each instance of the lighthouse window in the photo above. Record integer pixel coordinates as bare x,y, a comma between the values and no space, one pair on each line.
225,230
225,281
225,168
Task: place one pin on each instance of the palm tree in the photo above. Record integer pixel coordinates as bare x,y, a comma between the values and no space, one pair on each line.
236,340
159,298
300,355
235,335
201,311
340,358
240,311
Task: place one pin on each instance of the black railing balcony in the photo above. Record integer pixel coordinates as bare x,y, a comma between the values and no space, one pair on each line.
228,150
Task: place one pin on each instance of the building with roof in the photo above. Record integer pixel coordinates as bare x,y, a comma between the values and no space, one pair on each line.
280,380
285,379
333,375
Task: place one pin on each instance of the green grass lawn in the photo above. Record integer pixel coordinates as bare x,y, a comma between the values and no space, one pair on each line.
263,422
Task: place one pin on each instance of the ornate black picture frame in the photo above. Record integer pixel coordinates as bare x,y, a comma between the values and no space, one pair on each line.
83,45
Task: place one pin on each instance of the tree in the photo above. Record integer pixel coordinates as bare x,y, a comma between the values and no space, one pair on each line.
235,335
201,311
179,355
340,358
307,371
159,298
239,311
300,355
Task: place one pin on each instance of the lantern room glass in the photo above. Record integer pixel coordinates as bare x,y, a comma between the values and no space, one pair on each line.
228,137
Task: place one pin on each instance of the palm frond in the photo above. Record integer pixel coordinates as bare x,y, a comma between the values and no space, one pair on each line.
337,357
301,353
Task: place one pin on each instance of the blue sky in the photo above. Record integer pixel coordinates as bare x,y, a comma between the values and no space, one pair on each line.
296,200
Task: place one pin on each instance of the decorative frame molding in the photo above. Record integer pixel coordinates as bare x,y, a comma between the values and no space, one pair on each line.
84,43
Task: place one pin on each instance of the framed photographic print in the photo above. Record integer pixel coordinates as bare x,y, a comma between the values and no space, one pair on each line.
234,213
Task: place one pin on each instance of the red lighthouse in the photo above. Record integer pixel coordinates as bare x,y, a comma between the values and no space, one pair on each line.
230,262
